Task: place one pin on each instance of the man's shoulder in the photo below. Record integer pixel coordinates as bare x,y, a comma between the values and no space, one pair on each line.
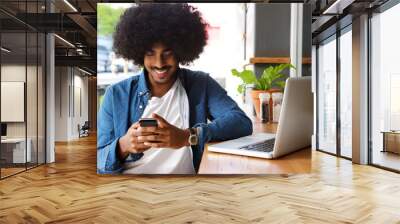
193,75
125,85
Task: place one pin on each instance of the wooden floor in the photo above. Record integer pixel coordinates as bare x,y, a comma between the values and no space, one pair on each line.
70,191
387,159
7,171
10,171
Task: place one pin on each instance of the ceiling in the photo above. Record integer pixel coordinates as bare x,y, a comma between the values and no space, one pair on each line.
76,20
329,16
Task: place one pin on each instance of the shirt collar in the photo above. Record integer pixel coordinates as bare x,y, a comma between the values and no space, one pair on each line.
143,86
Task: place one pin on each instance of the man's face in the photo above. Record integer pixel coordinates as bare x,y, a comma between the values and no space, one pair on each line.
160,63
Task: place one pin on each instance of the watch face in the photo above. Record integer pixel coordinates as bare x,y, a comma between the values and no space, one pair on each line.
193,140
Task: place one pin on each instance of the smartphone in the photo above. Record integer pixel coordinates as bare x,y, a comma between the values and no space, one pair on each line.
148,122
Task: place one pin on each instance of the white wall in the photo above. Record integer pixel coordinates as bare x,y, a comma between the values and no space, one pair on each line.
70,83
79,117
15,73
33,126
61,103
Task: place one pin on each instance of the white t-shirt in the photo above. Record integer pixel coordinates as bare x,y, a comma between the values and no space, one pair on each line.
174,108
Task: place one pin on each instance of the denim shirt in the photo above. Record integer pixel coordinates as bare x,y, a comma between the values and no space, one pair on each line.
124,102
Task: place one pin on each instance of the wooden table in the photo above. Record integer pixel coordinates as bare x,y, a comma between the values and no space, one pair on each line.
391,141
220,163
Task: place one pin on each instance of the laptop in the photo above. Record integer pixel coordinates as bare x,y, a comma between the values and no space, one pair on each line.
294,129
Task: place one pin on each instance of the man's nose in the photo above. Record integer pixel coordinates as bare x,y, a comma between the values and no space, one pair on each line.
159,62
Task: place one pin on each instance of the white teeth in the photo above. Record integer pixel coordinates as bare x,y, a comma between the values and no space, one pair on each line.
161,71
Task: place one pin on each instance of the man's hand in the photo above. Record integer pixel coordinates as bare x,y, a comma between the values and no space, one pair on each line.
129,143
166,135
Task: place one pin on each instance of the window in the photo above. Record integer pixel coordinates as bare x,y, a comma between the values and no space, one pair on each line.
385,87
22,75
327,96
335,74
346,93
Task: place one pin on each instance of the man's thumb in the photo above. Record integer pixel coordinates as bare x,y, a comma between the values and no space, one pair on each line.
161,121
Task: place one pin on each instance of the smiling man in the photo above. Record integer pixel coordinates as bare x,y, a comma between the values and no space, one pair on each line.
190,107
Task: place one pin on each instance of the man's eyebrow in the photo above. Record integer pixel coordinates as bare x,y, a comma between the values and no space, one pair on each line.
152,50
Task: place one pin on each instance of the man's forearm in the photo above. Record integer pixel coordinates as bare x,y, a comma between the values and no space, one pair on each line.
121,149
228,127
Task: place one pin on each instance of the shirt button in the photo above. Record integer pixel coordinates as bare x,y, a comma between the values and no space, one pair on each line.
140,106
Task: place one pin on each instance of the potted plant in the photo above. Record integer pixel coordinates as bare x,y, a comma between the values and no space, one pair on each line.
271,80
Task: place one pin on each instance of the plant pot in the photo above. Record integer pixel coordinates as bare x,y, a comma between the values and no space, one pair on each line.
256,100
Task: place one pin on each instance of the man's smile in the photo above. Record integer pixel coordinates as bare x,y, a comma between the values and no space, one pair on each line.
161,73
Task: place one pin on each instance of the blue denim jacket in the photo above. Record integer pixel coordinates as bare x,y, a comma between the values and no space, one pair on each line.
124,103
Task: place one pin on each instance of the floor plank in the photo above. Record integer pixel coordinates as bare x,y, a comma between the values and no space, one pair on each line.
70,191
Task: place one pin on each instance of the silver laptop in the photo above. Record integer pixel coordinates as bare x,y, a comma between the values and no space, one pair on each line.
294,129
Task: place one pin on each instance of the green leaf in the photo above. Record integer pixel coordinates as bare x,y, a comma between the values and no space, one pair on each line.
258,85
241,88
281,84
282,67
271,76
108,18
235,72
247,76
261,84
267,72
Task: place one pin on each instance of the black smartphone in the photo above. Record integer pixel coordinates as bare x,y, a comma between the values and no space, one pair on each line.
148,122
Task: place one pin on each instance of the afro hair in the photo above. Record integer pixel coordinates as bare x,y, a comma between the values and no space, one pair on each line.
177,26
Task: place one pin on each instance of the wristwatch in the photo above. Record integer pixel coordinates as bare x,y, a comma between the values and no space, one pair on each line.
193,138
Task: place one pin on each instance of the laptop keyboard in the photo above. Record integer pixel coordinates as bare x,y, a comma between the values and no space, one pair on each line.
265,146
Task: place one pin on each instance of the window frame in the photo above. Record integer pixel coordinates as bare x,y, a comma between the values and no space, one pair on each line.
333,37
378,10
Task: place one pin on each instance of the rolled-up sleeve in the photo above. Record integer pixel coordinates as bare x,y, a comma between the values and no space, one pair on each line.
228,121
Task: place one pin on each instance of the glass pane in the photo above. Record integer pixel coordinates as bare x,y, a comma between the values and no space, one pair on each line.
385,83
346,94
41,98
327,97
13,85
31,98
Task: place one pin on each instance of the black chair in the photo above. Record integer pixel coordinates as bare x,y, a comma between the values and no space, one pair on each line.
84,130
